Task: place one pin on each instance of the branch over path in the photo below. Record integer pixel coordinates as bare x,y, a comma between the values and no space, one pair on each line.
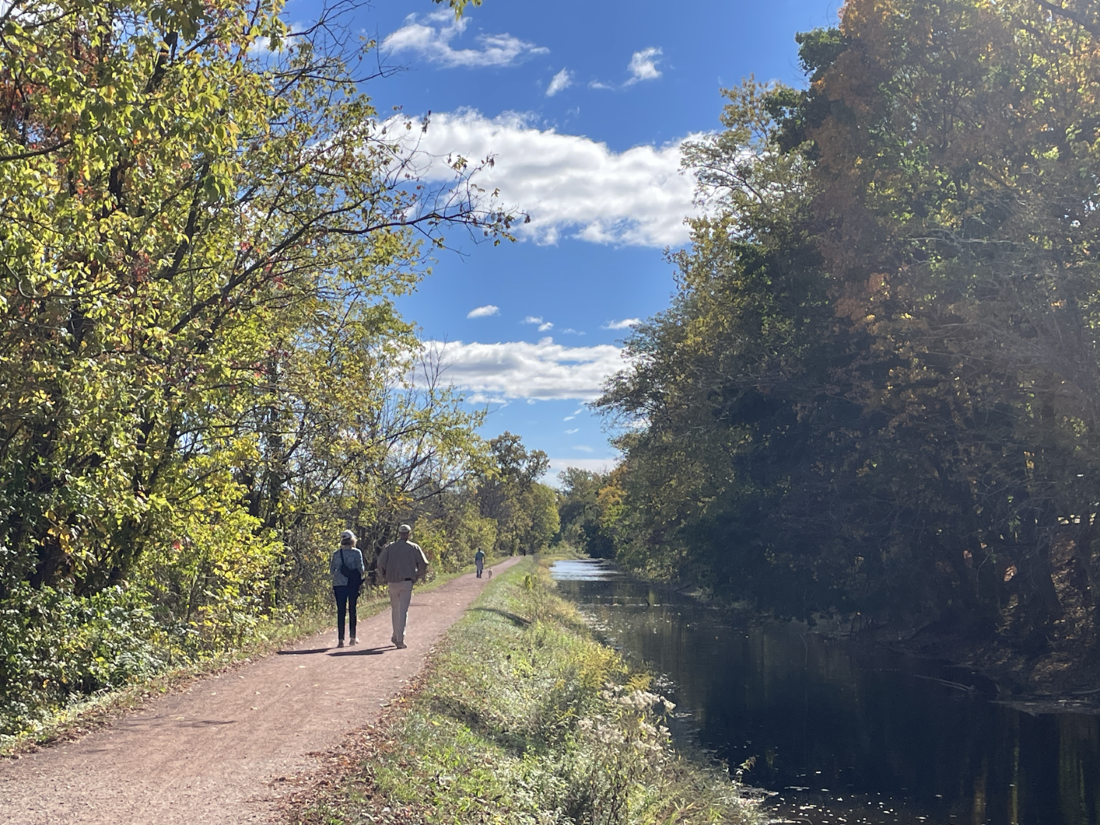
220,751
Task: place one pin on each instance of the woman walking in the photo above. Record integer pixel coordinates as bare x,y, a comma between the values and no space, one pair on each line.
346,568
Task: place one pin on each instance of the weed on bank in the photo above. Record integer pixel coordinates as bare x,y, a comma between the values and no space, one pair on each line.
526,718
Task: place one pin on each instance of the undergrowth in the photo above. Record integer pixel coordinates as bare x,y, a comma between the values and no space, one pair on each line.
526,718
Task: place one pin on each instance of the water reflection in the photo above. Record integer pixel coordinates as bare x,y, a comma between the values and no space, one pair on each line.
843,736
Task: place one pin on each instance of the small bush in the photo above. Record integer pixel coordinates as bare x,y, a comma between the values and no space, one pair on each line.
55,646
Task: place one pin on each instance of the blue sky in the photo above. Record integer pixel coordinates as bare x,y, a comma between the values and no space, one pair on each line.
583,106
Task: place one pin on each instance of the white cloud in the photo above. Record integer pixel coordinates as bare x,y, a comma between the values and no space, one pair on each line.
431,37
483,312
599,84
584,448
544,326
491,400
643,65
626,323
593,465
569,418
570,331
570,185
517,369
596,465
562,80
574,430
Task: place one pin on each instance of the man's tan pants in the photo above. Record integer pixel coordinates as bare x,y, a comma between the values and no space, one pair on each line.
400,597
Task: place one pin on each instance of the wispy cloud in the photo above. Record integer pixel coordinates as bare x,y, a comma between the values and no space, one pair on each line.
584,448
570,185
592,465
483,312
430,37
574,430
491,400
542,371
643,65
544,326
561,81
569,418
626,323
595,465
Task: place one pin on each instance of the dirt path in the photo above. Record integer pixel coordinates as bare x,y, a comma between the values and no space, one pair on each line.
221,751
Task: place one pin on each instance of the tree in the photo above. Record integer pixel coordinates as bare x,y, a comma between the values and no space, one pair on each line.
505,493
883,346
177,182
957,167
579,513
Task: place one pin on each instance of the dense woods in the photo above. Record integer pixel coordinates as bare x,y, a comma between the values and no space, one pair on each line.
875,391
202,375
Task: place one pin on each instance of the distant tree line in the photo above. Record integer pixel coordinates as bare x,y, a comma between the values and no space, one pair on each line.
203,378
877,389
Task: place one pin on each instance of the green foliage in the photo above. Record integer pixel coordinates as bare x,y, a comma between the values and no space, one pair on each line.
55,646
581,515
526,511
873,390
202,375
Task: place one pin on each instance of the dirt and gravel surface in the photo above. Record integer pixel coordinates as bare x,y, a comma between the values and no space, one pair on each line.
228,748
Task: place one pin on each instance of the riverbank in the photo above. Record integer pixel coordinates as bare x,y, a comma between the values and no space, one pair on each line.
522,717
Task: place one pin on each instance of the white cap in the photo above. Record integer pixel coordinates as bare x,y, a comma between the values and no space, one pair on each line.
404,528
347,537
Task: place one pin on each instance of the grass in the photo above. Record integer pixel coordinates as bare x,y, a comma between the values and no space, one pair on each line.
523,717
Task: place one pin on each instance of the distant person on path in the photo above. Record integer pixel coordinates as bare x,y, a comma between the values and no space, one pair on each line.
346,568
400,564
479,561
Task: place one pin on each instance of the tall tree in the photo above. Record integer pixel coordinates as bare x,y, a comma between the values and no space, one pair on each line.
177,180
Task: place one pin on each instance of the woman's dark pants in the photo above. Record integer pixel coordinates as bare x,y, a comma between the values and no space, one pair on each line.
346,598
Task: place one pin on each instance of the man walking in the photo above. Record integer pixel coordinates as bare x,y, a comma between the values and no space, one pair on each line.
400,564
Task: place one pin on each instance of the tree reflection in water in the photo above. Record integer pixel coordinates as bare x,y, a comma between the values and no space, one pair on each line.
847,736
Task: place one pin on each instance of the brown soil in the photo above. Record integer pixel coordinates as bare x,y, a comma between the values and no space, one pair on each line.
228,749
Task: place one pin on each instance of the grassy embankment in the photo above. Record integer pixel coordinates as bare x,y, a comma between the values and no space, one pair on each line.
523,717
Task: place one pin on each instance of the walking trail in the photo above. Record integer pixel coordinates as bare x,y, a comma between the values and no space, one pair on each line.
222,750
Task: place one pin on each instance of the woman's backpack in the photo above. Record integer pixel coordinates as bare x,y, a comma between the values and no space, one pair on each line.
352,574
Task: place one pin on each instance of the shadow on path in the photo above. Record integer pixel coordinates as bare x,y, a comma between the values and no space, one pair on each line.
366,651
519,621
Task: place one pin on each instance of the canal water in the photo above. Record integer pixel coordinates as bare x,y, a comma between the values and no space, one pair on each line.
838,735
